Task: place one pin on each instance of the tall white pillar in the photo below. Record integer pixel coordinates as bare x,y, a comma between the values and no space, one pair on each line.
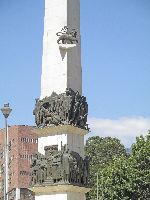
62,118
61,68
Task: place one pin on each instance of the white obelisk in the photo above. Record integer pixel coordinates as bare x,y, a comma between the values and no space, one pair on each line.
61,67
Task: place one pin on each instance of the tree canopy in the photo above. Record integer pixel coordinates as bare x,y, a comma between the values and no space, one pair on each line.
127,177
101,151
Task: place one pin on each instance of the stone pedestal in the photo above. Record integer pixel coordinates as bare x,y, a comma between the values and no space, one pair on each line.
60,192
60,170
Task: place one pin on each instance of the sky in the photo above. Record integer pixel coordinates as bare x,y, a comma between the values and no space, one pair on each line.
115,62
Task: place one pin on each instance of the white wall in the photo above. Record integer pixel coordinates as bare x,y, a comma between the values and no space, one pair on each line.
74,142
66,196
51,140
52,197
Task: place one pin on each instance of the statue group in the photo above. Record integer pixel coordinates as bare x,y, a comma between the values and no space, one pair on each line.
67,108
59,167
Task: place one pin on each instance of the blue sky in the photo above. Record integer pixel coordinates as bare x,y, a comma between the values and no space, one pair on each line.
115,61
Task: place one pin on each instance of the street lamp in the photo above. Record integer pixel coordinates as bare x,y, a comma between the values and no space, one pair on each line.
6,110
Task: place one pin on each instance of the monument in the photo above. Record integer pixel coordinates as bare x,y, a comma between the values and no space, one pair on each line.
60,169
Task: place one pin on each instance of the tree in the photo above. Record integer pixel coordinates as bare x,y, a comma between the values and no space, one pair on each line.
101,151
128,178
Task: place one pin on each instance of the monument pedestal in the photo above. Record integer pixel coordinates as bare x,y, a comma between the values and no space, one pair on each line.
61,172
60,192
62,135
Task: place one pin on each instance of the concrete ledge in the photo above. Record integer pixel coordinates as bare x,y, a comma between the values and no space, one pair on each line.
45,190
57,130
66,46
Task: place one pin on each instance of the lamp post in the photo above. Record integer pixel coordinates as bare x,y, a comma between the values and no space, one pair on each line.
97,186
6,110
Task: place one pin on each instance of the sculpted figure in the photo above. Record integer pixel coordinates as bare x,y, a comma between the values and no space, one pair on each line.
75,111
34,177
36,112
39,171
43,169
66,108
49,157
57,168
83,113
86,171
66,36
66,165
36,169
74,171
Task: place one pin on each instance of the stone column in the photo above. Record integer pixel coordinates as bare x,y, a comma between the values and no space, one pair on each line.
61,64
60,170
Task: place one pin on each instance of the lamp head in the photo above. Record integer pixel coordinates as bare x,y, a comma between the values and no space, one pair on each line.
6,110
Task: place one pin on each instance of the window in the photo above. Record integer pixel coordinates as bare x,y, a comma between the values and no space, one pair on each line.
25,173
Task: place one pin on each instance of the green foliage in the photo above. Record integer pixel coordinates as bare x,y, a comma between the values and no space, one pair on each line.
125,177
101,151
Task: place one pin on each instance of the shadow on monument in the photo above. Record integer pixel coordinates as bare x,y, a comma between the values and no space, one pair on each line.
63,53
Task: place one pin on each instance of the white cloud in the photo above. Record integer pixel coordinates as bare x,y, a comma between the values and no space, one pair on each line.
125,128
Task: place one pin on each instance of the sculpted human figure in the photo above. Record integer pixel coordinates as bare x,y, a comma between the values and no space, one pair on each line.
66,165
86,171
34,177
43,169
44,114
73,171
82,116
36,112
75,110
57,167
80,176
49,157
34,167
41,116
39,171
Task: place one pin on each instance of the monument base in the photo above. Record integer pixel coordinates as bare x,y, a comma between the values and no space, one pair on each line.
64,196
60,192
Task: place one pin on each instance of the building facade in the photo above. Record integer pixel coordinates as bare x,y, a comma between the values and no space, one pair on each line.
23,144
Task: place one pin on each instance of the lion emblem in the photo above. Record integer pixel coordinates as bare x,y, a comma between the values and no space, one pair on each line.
66,36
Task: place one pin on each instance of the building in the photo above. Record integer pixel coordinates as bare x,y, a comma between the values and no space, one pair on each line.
23,144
